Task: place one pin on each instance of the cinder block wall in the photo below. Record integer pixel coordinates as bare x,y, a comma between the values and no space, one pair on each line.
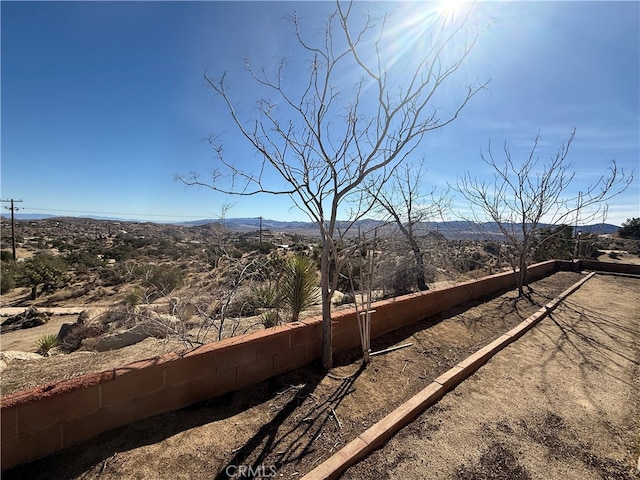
42,420
626,268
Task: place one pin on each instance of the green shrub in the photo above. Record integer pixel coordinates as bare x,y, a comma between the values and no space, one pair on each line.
271,318
630,228
46,343
83,259
492,248
554,243
7,277
160,279
265,295
42,269
134,297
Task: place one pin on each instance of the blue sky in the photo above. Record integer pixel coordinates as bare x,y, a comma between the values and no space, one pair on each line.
103,103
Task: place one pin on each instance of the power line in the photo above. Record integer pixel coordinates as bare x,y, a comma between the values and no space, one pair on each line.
13,224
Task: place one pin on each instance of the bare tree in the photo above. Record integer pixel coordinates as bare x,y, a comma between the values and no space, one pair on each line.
521,196
402,200
325,141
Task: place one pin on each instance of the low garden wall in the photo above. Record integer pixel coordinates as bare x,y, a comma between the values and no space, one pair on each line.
42,420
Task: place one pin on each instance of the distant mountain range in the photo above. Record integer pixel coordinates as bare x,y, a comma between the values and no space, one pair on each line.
452,229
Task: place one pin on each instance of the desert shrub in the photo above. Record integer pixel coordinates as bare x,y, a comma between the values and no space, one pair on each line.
265,247
271,318
466,262
42,269
240,305
46,343
554,243
160,280
265,295
403,281
7,277
630,228
492,248
396,274
349,275
6,256
134,297
83,259
245,245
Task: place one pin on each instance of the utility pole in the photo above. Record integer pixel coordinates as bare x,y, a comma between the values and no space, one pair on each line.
260,230
13,224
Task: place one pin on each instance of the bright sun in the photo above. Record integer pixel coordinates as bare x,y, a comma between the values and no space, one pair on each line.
449,9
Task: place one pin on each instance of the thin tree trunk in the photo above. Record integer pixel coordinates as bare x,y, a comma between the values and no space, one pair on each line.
523,279
327,334
420,274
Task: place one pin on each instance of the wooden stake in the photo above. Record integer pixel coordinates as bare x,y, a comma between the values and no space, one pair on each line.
391,349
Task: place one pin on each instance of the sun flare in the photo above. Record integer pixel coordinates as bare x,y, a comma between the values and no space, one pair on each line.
450,9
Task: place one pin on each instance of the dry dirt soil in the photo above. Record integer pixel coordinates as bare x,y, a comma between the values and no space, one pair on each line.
294,421
563,402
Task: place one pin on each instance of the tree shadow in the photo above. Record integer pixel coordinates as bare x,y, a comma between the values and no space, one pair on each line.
278,449
91,456
579,328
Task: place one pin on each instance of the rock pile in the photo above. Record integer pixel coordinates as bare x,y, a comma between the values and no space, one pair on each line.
31,317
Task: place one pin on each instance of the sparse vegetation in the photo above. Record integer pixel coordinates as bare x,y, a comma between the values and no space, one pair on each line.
218,283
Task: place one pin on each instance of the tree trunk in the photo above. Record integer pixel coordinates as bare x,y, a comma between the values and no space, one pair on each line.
327,334
522,277
420,275
34,292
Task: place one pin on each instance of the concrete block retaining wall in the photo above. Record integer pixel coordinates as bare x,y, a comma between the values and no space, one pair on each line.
42,420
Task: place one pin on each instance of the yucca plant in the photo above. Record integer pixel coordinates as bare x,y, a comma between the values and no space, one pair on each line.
270,318
266,295
46,343
299,285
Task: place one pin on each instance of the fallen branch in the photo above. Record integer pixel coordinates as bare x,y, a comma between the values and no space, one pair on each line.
336,417
406,362
292,387
391,349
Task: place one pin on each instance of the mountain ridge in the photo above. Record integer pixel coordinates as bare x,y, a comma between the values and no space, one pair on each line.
456,227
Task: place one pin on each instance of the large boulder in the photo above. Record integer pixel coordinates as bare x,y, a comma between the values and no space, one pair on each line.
71,335
157,325
124,338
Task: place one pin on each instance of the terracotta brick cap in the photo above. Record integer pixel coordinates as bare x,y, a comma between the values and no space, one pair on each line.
56,388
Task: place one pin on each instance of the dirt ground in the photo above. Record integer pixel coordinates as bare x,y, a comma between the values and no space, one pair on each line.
21,374
561,403
294,421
